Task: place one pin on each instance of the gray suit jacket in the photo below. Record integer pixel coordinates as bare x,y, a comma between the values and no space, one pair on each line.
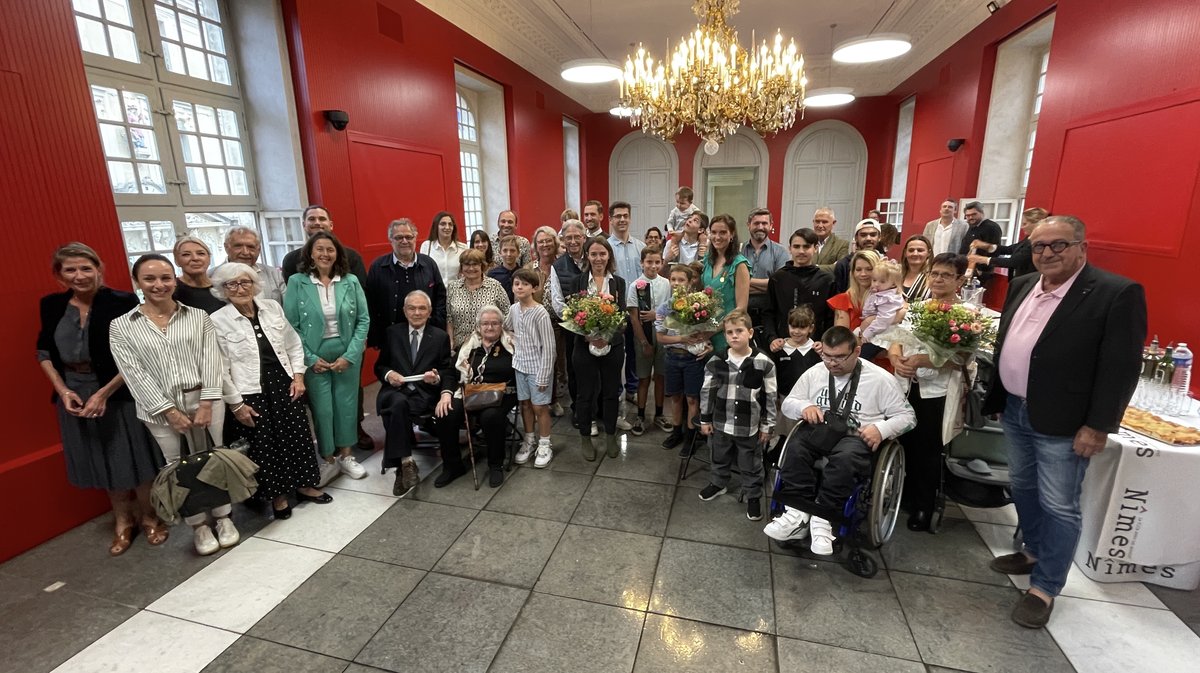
958,228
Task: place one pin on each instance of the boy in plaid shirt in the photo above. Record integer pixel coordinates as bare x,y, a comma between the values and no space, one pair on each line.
737,408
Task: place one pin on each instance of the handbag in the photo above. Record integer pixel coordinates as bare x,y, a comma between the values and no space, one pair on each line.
478,395
838,422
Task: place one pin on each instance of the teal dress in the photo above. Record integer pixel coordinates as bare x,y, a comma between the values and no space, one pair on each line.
724,285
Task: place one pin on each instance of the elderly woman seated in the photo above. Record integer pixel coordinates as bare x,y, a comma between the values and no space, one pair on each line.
264,361
486,357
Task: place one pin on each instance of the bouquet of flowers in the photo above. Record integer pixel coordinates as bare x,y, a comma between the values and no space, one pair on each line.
943,331
694,312
593,316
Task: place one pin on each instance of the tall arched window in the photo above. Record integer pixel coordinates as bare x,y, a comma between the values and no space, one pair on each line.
470,159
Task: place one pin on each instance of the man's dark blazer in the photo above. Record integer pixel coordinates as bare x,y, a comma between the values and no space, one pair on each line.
1085,365
433,353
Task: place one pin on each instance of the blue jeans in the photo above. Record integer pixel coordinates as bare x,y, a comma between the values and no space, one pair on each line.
1046,479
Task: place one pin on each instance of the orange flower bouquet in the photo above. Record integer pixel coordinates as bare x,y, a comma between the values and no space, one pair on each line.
593,316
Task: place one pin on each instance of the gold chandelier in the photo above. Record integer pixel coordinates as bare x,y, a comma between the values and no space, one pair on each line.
714,85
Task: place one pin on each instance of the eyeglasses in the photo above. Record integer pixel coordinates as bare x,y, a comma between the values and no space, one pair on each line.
1055,247
489,324
238,285
404,238
836,359
942,275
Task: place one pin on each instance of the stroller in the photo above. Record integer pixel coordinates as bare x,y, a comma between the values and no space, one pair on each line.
976,462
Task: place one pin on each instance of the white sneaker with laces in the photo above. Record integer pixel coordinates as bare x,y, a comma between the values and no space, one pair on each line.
791,525
227,533
544,455
822,536
595,429
205,542
350,467
527,447
623,424
329,472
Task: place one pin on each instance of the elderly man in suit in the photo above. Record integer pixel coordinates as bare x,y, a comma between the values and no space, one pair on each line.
1068,358
413,349
830,248
946,232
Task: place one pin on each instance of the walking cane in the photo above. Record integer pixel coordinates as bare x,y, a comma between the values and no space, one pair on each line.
470,441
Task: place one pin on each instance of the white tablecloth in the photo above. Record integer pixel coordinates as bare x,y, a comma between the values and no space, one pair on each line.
1141,513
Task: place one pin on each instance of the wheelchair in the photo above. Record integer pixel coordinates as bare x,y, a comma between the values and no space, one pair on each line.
868,517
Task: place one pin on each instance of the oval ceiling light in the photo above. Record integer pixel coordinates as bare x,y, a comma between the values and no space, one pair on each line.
618,110
591,71
829,96
872,48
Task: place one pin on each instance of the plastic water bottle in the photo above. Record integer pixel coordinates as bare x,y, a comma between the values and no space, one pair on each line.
1181,378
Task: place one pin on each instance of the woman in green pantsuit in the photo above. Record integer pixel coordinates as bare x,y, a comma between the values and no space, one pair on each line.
326,305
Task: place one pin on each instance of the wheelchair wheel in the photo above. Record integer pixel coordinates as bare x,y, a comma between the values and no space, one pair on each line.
886,486
862,564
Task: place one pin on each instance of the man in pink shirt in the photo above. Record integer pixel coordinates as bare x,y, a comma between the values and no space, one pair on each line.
1068,355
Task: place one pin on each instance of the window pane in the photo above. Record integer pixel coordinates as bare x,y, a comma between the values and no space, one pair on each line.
196,63
166,23
206,119
91,7
137,239
117,11
189,29
137,108
114,140
237,183
187,5
191,148
233,153
108,106
185,120
214,38
196,182
120,174
124,44
144,144
91,36
216,182
173,57
228,121
209,10
220,69
212,151
152,179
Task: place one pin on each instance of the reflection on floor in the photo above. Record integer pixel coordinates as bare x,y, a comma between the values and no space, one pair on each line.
608,566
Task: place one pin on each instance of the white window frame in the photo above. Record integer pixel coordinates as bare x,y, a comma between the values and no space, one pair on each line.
474,207
1004,212
892,211
145,65
168,77
170,94
291,224
1031,137
161,138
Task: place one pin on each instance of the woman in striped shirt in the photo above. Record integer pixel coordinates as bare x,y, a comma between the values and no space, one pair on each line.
168,354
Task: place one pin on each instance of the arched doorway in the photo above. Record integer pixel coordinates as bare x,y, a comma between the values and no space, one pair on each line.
643,170
825,165
734,180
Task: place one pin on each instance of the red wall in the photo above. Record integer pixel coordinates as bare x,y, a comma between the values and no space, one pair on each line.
54,187
875,118
391,66
1116,145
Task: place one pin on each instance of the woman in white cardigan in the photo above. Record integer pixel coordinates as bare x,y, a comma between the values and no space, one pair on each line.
264,360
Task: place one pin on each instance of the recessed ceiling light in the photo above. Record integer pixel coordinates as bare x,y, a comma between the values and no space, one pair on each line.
590,71
872,48
829,97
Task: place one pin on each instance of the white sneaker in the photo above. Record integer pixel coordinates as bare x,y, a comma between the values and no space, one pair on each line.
791,525
227,533
822,536
329,472
623,424
205,542
663,424
595,429
350,467
527,448
544,454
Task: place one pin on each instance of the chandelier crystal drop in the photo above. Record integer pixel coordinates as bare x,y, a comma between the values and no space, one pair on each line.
714,85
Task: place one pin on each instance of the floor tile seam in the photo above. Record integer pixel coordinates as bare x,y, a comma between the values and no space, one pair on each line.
904,615
301,648
509,631
384,561
458,537
200,623
717,544
918,660
298,545
67,588
954,579
774,608
384,623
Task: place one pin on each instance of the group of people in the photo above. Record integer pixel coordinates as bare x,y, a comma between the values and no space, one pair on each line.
246,351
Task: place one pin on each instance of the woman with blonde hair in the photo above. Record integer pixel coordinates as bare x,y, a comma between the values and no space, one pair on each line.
847,306
193,287
104,444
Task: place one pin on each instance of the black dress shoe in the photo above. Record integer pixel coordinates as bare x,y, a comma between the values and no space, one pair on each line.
281,514
448,476
495,477
323,499
918,520
1031,611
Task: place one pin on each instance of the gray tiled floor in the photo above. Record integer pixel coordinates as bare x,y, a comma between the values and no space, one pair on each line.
607,566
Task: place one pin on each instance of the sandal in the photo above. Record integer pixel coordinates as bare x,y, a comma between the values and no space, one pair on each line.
155,535
122,540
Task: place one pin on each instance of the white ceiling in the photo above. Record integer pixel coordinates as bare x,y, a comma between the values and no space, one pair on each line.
539,35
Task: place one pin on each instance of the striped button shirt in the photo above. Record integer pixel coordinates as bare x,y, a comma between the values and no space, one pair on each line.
533,336
158,367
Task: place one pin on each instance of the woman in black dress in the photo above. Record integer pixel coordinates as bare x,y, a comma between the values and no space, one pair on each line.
264,362
104,443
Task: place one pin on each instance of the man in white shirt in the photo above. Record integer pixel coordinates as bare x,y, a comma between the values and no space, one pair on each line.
627,254
593,218
243,245
947,231
874,409
830,248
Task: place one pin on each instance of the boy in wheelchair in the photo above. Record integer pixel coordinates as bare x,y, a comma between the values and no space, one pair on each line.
849,408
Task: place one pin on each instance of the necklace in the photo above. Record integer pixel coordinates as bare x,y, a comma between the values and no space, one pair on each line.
158,319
